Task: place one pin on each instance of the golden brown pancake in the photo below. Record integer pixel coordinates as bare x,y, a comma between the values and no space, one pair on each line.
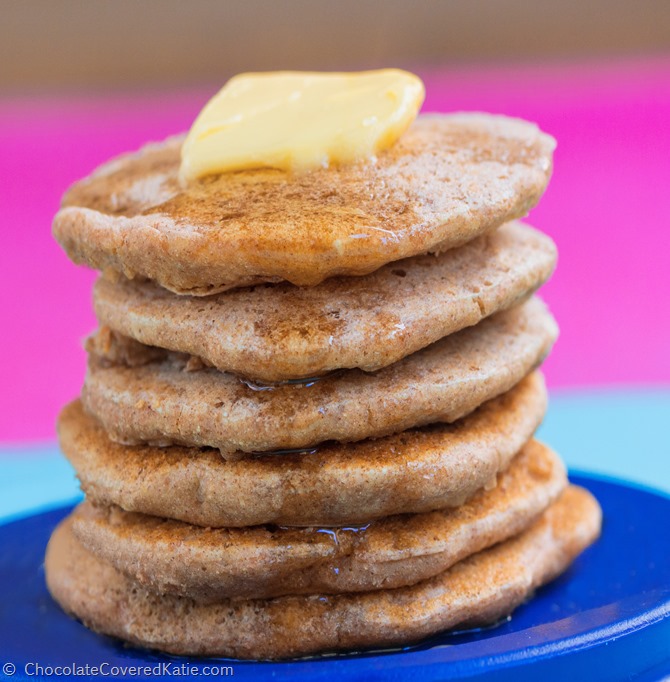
415,471
162,402
208,565
476,591
449,179
281,332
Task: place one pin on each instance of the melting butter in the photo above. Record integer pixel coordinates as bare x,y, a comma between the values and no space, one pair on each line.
300,121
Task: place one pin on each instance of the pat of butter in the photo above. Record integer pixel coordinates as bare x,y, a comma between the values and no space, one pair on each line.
300,120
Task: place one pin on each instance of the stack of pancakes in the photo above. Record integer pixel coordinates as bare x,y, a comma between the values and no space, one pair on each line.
307,423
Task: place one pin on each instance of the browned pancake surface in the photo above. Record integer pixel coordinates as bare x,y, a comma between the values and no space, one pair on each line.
415,471
214,564
162,402
449,179
285,332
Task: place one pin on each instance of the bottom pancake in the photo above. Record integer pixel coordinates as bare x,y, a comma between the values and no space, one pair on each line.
211,564
476,591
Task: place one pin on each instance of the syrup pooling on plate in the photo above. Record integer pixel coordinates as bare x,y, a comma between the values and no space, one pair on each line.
442,640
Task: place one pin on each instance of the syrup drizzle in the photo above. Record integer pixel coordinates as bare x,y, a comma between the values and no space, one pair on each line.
258,386
273,385
333,532
289,451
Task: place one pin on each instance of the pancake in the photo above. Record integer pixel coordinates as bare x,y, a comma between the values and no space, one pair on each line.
449,179
163,403
416,471
284,332
476,591
209,565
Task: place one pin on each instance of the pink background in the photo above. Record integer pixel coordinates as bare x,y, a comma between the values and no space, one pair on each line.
607,208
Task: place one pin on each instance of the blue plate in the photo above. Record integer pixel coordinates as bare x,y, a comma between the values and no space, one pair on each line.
607,618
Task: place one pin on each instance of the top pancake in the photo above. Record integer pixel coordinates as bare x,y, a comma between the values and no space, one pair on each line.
449,179
282,332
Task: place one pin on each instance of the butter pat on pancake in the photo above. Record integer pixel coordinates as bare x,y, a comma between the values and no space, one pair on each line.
299,121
